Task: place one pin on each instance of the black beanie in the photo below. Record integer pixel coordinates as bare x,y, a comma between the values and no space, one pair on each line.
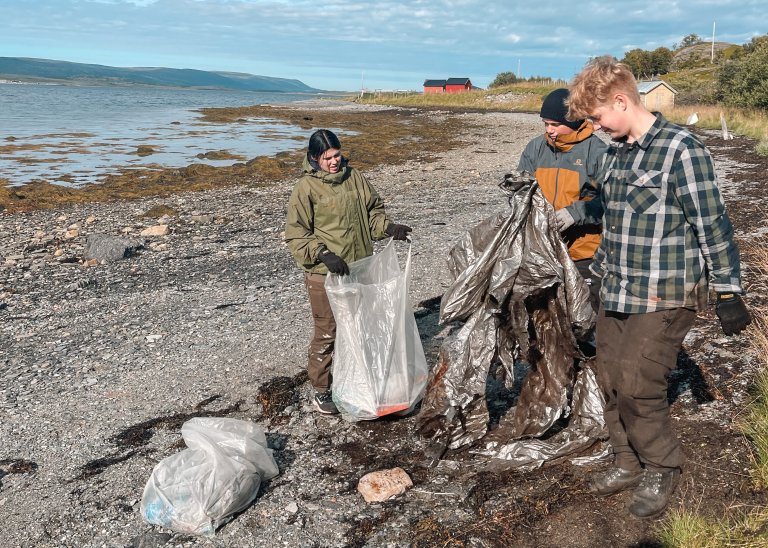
554,108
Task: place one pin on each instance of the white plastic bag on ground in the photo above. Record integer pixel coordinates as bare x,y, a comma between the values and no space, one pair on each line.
198,489
379,366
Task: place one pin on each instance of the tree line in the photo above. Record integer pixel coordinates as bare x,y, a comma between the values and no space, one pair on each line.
736,76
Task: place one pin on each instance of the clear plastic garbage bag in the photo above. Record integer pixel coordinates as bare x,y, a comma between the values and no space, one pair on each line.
379,366
200,488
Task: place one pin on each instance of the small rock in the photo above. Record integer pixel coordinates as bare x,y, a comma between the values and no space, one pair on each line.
292,508
157,230
384,484
201,219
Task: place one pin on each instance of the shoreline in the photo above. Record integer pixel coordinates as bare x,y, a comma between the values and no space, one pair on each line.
374,133
212,318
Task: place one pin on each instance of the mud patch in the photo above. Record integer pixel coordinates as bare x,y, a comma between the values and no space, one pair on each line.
220,155
97,466
158,211
140,434
137,436
278,393
363,529
17,466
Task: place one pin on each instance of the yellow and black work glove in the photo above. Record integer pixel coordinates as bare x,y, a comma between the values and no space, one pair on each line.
335,264
398,232
733,313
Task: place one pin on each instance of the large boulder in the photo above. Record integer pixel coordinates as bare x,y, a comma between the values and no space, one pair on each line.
105,248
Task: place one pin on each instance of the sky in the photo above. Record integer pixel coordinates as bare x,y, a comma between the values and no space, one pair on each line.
347,45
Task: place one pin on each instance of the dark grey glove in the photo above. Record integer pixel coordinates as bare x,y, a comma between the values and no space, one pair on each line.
733,313
335,264
398,232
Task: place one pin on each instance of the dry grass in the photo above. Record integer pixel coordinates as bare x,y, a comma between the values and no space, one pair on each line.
522,97
527,97
752,123
737,527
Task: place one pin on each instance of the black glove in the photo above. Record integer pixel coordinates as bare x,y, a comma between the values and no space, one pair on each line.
398,232
335,264
733,313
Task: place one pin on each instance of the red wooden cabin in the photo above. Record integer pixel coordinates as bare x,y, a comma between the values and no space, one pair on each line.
457,85
434,86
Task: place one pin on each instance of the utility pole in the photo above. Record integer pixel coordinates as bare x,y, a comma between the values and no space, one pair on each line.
712,58
518,68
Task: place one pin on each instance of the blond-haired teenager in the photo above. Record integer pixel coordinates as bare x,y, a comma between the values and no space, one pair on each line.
666,241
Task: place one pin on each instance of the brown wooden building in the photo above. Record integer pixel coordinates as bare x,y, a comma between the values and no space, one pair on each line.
656,95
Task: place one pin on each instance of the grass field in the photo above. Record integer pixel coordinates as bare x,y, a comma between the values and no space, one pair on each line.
527,97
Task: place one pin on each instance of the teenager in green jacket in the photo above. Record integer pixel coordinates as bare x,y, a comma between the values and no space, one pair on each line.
334,216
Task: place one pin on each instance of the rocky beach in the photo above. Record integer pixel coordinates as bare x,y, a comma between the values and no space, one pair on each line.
103,360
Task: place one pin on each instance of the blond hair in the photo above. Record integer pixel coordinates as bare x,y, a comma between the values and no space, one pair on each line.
595,85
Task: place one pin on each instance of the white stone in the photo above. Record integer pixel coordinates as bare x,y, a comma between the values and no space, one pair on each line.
157,230
384,484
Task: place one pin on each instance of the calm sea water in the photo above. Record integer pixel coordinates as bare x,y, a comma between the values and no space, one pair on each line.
75,135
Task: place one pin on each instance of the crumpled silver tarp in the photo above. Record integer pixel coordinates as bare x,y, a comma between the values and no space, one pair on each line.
522,301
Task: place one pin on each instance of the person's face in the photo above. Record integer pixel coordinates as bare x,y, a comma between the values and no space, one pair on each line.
555,129
611,118
330,160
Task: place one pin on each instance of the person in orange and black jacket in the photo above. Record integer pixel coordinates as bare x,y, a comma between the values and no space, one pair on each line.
565,161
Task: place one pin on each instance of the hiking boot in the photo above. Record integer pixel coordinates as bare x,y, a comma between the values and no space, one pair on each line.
652,495
324,403
614,480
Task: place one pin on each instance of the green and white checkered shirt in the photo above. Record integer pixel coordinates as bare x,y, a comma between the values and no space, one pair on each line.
666,234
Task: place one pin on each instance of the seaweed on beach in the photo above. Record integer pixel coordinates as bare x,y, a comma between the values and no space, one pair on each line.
371,138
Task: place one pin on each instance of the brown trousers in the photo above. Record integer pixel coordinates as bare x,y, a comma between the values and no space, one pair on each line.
320,353
635,354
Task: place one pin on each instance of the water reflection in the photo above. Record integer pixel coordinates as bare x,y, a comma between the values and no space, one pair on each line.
73,136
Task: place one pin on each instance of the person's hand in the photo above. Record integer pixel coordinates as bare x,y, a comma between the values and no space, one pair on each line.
398,232
335,264
564,219
733,313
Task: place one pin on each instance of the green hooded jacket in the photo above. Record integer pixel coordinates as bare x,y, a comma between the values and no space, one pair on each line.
338,211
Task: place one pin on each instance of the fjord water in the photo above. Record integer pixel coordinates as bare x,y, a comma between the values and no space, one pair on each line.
73,135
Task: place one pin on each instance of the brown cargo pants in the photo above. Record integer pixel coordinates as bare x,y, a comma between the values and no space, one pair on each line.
635,354
320,353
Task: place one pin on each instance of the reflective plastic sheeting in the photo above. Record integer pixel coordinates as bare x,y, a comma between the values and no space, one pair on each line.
519,300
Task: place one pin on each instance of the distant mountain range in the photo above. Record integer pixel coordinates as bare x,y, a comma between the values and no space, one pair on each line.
25,69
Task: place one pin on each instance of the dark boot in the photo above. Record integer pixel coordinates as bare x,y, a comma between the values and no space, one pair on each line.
652,495
614,480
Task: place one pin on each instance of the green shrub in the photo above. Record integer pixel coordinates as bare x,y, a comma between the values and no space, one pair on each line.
743,82
503,79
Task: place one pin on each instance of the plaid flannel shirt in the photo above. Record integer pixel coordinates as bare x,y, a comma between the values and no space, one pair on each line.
666,234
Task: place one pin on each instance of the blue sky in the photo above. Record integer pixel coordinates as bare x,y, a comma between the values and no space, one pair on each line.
344,44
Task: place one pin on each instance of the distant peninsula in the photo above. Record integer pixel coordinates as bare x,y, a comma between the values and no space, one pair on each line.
48,71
